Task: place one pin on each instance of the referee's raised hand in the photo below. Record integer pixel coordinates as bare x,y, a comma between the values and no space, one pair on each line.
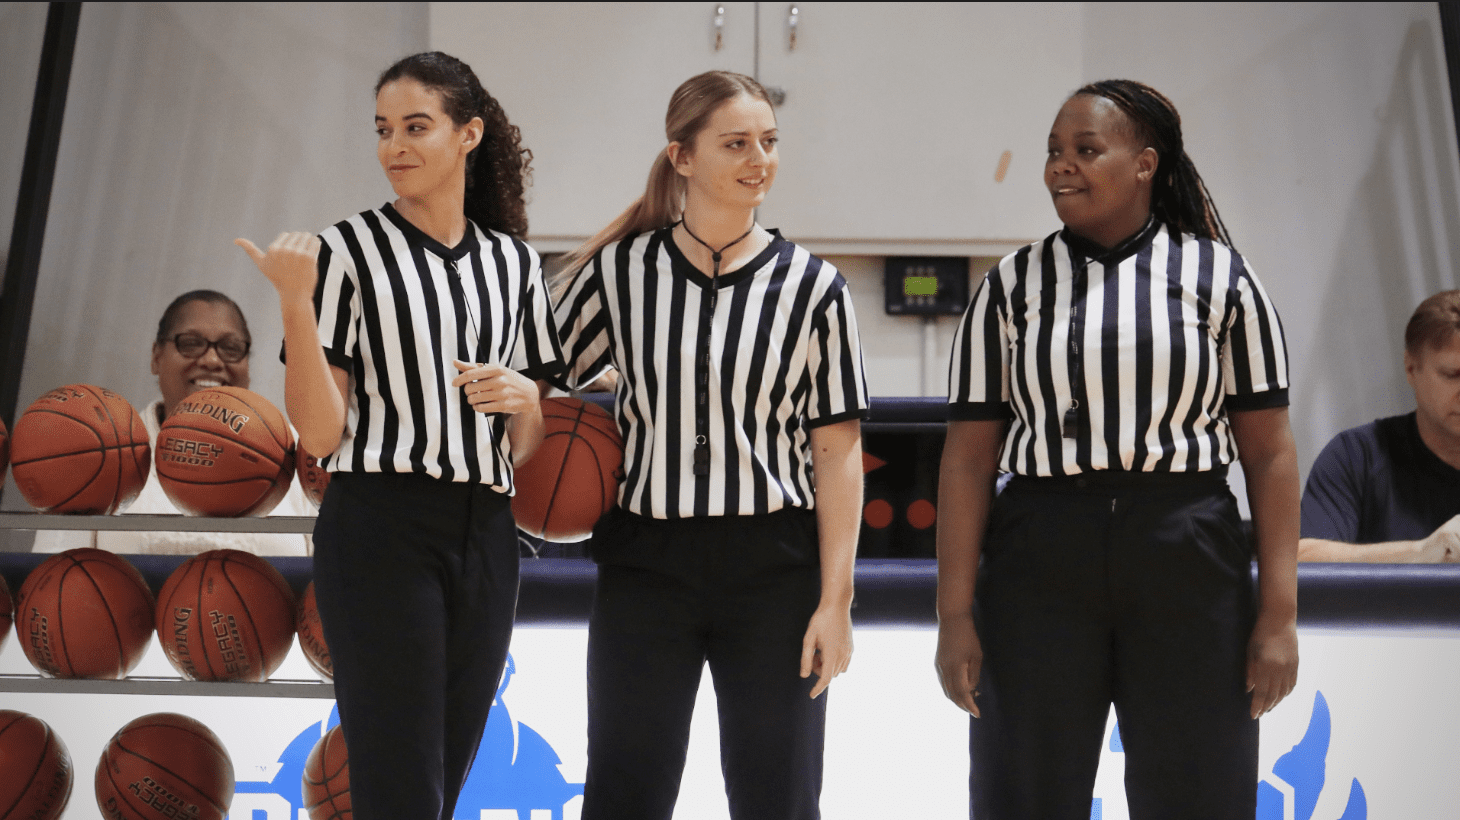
289,262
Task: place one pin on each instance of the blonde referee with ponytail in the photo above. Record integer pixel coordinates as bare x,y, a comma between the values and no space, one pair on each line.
739,372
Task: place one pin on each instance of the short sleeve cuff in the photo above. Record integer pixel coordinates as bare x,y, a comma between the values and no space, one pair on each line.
860,413
980,411
550,372
1265,400
331,355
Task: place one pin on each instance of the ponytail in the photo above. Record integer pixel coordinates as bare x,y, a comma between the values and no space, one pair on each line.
1179,195
662,202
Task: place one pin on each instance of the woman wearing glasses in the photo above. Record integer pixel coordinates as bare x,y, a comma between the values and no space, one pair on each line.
202,341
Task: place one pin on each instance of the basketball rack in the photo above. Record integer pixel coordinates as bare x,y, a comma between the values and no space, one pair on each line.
165,686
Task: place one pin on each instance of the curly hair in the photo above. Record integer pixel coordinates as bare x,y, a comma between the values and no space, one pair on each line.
1179,196
499,169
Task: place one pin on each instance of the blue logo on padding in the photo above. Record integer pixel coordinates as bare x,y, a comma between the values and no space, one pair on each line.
1304,769
515,770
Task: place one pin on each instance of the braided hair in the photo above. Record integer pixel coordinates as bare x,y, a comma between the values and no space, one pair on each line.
498,170
1179,197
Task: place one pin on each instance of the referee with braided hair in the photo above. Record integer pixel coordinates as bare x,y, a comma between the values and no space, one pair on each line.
1116,369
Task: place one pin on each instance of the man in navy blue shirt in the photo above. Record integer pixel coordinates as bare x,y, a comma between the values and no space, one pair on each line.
1389,491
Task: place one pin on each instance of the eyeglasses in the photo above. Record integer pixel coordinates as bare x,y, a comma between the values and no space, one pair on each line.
231,349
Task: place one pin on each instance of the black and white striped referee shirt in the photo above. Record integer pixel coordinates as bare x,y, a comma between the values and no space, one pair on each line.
1151,343
395,307
783,358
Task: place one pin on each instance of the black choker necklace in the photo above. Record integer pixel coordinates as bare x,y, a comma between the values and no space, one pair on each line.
714,254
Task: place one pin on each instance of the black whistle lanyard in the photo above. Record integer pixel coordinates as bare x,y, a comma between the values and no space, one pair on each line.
702,353
1071,427
453,278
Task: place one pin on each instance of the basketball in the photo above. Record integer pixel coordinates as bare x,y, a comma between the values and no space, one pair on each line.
226,615
7,612
80,449
573,478
313,479
84,613
225,452
35,769
311,635
164,765
326,786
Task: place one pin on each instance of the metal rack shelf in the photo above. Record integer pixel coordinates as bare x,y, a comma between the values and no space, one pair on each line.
168,686
156,523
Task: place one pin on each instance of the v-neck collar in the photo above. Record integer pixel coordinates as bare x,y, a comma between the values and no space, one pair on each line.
1082,248
416,236
683,267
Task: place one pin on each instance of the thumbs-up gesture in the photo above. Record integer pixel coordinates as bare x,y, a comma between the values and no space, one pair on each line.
289,263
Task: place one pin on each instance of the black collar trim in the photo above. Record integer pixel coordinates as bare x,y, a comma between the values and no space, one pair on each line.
1082,248
416,236
730,279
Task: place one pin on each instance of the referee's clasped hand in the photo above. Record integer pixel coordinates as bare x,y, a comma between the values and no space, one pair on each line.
289,262
492,388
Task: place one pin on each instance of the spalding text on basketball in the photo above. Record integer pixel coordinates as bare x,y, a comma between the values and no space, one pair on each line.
181,615
156,795
230,646
184,451
40,642
112,810
232,418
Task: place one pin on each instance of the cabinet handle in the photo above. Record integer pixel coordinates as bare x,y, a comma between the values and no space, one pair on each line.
719,22
791,21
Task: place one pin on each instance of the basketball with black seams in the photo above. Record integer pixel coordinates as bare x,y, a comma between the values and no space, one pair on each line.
311,635
225,452
164,766
35,769
573,477
226,615
326,783
84,613
313,479
80,449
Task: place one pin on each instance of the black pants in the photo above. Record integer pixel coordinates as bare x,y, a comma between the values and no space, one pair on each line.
738,592
1121,588
416,581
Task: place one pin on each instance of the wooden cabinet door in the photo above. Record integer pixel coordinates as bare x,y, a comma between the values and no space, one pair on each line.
897,116
588,84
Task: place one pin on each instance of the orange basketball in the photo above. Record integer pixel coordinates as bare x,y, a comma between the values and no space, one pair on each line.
225,452
312,477
311,635
7,612
326,786
80,449
35,769
226,615
84,613
573,478
164,766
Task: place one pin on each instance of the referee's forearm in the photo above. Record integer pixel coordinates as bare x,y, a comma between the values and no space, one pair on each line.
836,458
965,494
313,395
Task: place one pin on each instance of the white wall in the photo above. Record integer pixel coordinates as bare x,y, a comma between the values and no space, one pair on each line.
22,25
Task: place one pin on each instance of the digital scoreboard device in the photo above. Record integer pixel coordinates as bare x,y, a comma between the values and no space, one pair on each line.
926,285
